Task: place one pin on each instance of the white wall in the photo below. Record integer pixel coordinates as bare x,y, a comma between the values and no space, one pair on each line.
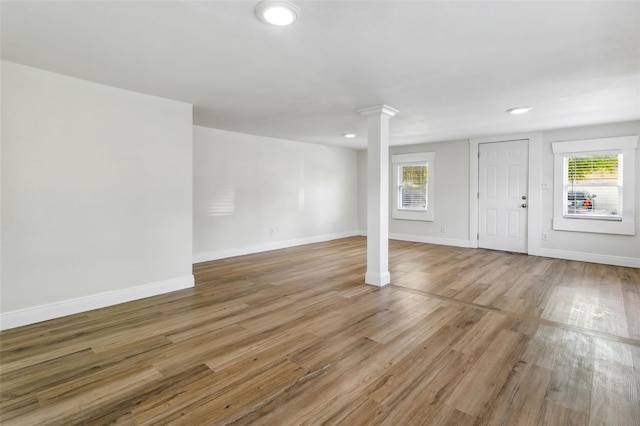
96,195
587,246
96,191
254,193
450,200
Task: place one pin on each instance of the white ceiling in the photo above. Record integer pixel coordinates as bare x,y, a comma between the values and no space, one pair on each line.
451,68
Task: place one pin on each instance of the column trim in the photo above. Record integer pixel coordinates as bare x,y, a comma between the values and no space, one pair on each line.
378,193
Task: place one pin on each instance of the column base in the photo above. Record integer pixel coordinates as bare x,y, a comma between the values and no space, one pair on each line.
377,278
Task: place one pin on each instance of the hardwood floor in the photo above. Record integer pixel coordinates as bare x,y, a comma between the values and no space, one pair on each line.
462,336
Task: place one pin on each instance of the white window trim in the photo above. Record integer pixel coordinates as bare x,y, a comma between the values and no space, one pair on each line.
398,160
627,146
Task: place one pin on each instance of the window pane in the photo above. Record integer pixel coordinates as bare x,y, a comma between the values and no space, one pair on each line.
593,186
413,187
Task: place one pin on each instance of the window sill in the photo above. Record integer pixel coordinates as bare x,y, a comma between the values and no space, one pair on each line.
593,225
593,217
426,216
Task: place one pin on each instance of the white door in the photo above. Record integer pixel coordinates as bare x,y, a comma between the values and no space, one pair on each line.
502,197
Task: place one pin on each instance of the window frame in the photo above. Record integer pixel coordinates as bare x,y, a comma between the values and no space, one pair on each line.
400,160
620,175
625,225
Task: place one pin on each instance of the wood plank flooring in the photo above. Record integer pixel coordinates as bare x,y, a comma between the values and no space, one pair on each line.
289,337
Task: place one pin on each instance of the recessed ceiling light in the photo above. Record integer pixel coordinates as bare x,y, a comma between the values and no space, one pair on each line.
349,135
276,12
519,110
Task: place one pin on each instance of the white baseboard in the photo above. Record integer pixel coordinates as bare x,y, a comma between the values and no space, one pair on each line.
424,239
49,311
590,257
430,240
276,245
378,279
630,262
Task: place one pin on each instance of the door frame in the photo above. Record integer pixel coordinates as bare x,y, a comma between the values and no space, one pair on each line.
534,183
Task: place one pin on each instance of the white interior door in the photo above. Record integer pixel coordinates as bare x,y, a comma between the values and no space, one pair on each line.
502,197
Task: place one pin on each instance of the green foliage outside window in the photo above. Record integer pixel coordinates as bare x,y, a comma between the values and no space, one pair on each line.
414,176
579,167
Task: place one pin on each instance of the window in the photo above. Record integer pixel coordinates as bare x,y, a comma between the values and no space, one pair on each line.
594,185
413,187
413,178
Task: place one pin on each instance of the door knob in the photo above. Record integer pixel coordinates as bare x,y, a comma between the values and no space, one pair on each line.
524,197
524,205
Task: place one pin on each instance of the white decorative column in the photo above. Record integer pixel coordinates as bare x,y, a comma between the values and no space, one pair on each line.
378,194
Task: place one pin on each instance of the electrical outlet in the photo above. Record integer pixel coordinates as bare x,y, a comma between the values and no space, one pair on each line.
272,231
545,236
443,229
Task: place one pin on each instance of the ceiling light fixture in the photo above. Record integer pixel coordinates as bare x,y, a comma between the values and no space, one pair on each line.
519,110
276,12
349,135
